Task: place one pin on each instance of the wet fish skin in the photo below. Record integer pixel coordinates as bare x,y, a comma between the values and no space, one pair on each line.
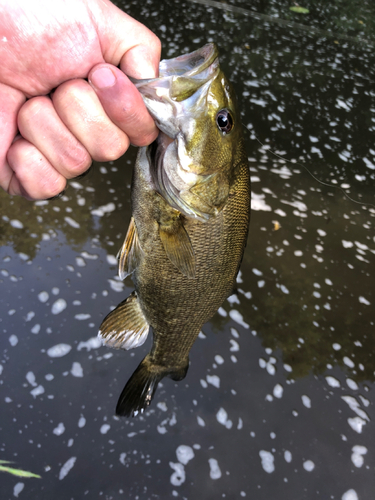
184,256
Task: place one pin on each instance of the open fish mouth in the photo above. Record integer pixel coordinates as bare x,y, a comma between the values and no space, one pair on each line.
182,84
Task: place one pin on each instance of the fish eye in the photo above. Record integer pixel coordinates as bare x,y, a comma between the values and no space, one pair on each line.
224,121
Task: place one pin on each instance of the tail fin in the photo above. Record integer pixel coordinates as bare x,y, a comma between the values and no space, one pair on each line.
140,388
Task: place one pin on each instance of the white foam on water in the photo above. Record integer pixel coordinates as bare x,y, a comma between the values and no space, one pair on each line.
352,384
49,377
184,454
332,381
58,306
122,458
162,406
356,424
59,350
354,405
348,362
104,209
37,391
179,476
76,370
234,346
17,224
347,244
18,488
60,429
222,418
287,456
30,377
201,422
309,465
80,262
357,455
306,401
91,343
233,299
30,315
213,380
362,300
82,316
112,261
35,329
215,472
267,460
238,318
117,286
336,347
13,340
278,391
104,428
72,222
219,359
67,467
81,422
258,203
350,495
222,312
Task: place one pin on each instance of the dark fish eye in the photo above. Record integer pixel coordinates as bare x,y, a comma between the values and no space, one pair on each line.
224,121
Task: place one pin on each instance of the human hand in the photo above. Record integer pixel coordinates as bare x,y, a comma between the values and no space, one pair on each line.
55,46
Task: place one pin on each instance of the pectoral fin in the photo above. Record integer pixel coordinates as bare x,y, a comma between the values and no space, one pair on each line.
130,252
178,247
125,327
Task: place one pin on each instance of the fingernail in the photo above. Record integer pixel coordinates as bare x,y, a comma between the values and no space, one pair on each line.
103,78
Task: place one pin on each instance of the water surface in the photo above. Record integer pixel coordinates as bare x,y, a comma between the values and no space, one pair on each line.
278,401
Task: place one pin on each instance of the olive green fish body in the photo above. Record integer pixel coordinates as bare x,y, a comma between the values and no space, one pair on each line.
190,218
177,306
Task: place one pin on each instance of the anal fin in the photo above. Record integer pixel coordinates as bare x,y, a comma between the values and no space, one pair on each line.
125,327
130,252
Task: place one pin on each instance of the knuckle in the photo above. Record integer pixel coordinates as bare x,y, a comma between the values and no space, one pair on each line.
31,108
111,150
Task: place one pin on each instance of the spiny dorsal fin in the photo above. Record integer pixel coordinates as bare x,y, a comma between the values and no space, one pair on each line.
130,252
125,327
178,247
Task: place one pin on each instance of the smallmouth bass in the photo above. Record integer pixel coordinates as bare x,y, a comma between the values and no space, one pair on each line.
190,216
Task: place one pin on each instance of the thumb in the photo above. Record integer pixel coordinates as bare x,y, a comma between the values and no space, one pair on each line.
126,42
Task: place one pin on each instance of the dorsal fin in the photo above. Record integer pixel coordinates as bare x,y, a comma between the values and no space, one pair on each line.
130,252
125,327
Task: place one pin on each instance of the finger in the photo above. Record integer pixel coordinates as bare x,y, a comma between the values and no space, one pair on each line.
39,123
11,100
125,42
123,104
79,108
34,177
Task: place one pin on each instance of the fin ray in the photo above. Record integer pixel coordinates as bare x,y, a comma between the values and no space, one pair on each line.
125,327
178,247
130,252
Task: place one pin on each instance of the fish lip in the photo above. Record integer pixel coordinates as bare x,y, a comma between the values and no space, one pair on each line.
180,77
197,61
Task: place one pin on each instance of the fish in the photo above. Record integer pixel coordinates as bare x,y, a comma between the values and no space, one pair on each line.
190,198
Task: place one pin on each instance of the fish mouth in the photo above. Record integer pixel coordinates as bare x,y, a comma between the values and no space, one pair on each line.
183,82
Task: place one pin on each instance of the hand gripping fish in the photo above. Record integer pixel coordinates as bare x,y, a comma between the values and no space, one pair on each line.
190,215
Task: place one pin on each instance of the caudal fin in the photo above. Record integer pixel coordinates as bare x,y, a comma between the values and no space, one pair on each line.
140,388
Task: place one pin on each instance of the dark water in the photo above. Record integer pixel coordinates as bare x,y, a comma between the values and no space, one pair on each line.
278,401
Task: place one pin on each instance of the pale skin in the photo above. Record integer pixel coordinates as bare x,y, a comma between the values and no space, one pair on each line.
65,99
